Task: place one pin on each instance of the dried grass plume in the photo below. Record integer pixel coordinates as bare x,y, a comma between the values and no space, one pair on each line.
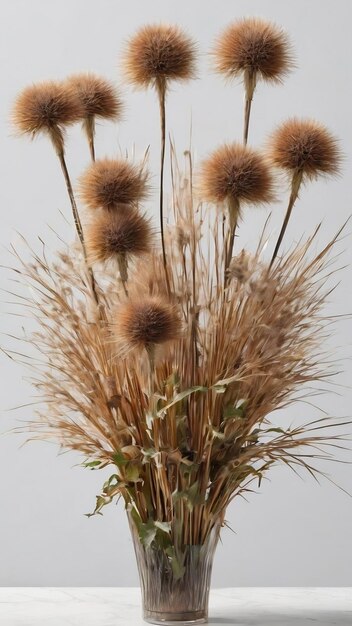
111,184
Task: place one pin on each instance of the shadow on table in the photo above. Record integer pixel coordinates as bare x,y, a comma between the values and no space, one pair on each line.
268,618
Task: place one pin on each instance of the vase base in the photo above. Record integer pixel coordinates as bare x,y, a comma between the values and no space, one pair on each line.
174,619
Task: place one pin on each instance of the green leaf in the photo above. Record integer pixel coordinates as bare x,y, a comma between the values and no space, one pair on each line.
280,431
147,532
191,495
181,396
131,473
92,464
178,569
165,527
119,458
101,502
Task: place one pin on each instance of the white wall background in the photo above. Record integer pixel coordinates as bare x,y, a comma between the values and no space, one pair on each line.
295,532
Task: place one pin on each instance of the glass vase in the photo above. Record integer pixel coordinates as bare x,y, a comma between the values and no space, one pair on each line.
175,580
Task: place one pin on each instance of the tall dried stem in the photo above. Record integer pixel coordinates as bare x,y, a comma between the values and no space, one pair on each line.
249,86
89,129
161,91
295,186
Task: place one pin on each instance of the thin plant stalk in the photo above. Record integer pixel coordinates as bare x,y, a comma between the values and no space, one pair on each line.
77,220
161,90
123,270
249,85
233,210
89,129
150,350
295,186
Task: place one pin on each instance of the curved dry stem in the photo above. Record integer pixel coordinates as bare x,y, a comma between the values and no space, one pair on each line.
295,187
161,91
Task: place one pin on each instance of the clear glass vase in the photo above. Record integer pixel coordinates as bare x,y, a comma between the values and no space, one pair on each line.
175,580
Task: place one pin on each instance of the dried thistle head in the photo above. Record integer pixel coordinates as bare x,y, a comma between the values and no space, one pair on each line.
118,234
145,322
253,47
159,53
113,184
97,96
237,173
305,147
46,107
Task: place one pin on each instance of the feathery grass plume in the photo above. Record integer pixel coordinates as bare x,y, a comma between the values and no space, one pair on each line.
113,185
253,49
49,107
236,175
156,55
119,236
99,99
305,150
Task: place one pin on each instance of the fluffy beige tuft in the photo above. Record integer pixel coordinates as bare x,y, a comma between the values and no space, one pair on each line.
235,172
98,96
46,106
146,322
159,53
253,46
112,184
114,234
305,146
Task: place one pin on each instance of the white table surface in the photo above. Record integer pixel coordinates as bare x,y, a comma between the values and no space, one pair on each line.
101,606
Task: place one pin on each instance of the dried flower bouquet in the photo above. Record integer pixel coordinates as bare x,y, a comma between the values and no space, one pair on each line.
166,360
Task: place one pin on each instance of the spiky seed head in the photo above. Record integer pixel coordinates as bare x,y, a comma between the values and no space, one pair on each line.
113,184
145,322
159,53
236,173
46,106
253,46
306,147
97,96
118,234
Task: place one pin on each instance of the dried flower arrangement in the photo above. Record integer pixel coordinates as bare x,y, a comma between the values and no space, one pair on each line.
166,361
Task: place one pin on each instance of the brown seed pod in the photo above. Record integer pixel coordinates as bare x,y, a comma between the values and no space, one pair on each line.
113,184
236,173
159,53
253,47
47,107
146,322
98,96
305,147
118,234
